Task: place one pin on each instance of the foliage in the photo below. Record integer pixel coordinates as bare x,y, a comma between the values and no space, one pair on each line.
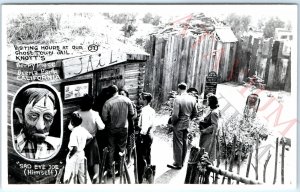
270,25
149,18
129,29
122,18
245,130
140,41
106,14
54,20
81,31
239,24
156,20
32,28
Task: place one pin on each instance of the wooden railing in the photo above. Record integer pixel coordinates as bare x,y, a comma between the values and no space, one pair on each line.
200,168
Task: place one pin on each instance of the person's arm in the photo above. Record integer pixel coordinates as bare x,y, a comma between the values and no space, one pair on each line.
99,123
140,120
214,123
73,151
195,111
105,113
89,137
175,112
135,111
130,109
152,119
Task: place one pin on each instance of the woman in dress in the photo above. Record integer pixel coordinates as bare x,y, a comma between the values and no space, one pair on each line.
92,122
209,126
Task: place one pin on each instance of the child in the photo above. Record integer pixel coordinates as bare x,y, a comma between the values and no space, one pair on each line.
146,123
75,164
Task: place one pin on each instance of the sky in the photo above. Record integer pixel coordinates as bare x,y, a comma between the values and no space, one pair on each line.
284,12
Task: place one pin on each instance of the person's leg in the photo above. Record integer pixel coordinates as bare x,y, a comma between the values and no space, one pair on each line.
69,168
80,174
111,148
147,144
177,147
184,146
96,162
130,144
96,177
140,160
89,156
121,141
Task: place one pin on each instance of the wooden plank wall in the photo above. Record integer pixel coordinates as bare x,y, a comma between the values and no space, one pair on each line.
267,59
134,80
176,58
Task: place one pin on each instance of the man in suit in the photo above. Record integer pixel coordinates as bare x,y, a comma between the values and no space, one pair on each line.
184,109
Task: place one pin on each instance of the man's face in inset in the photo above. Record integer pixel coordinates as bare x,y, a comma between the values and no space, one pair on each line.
38,119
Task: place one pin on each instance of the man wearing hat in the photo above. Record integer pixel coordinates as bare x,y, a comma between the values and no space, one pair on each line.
184,109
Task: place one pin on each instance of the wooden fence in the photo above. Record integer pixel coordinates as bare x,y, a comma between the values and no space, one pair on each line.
200,169
270,59
175,58
178,58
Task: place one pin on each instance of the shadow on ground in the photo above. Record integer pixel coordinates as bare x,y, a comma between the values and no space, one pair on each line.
167,176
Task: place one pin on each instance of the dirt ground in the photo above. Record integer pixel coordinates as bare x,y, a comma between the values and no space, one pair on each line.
236,95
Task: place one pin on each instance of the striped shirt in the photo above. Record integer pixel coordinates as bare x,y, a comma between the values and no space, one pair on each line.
32,150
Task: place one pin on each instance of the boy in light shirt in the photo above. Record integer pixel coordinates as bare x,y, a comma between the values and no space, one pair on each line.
146,124
75,164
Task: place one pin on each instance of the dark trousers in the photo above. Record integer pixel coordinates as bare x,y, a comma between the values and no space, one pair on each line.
179,146
116,143
143,147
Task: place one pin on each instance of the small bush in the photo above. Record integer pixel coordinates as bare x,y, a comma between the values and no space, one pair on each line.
128,29
147,18
154,20
106,15
123,18
245,131
81,31
140,41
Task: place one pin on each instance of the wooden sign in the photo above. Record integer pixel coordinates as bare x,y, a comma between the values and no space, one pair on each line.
211,84
252,104
86,63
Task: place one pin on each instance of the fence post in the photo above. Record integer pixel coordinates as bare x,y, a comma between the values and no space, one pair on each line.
256,157
265,166
282,160
239,159
218,159
276,160
249,162
225,156
232,158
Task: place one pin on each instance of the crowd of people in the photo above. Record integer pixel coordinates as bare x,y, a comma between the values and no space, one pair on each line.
116,123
